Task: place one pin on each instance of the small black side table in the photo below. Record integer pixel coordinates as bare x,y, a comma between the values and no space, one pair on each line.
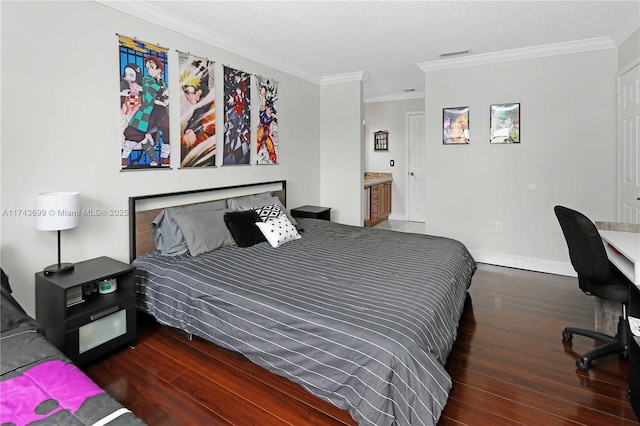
314,212
81,322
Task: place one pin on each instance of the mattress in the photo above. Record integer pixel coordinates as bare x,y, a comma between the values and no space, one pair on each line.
364,318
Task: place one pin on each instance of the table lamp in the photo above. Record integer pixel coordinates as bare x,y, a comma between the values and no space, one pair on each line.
59,211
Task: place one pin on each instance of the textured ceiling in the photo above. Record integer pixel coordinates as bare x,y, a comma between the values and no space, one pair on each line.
387,39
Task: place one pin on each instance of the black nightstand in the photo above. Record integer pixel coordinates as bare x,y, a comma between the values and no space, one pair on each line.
313,212
82,323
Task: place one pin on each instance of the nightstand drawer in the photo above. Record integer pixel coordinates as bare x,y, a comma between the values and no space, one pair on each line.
99,337
102,330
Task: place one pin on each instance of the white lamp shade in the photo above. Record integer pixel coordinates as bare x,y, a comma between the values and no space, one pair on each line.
58,210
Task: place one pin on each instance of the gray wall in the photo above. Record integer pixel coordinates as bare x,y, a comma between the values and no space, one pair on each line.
60,130
567,156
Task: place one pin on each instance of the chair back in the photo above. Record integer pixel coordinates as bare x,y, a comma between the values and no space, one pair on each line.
586,249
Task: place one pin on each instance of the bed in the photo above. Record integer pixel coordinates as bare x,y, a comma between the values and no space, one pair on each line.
39,385
362,317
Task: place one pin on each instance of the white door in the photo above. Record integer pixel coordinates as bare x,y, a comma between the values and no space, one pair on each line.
628,147
416,137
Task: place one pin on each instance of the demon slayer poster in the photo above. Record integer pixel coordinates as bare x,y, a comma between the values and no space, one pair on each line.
237,122
267,134
197,112
144,105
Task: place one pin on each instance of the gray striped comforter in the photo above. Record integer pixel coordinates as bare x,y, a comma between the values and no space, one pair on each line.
364,318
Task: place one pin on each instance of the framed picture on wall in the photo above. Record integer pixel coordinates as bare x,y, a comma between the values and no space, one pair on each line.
381,140
505,123
455,125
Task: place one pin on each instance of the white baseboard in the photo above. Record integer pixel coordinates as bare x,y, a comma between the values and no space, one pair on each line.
394,216
521,262
512,261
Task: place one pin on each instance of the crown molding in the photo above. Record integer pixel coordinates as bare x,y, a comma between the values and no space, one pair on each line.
519,54
144,10
344,78
148,12
635,62
625,31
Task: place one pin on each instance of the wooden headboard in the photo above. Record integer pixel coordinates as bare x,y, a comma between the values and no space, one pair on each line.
143,209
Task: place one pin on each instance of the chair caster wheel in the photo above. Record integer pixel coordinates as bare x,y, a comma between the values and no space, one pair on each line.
583,364
567,335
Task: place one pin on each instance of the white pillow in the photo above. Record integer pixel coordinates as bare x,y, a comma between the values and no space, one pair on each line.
278,231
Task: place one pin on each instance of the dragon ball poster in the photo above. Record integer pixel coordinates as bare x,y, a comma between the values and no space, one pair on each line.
267,133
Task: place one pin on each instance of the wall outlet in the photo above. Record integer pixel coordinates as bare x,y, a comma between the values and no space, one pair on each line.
498,226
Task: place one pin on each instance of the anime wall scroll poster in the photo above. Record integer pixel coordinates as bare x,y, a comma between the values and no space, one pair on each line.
267,134
237,122
144,101
197,112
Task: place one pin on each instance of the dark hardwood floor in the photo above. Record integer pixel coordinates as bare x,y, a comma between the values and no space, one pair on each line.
509,366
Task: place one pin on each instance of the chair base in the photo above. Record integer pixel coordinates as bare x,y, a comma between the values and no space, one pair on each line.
612,345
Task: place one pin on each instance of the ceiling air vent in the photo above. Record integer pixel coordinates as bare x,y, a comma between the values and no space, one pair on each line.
458,53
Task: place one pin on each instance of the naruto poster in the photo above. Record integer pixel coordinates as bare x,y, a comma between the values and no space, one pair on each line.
197,112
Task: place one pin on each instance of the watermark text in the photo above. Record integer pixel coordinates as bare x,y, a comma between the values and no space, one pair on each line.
64,212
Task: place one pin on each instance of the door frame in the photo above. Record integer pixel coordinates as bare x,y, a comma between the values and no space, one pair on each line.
619,139
408,151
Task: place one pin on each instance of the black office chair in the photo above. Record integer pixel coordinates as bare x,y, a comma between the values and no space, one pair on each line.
597,276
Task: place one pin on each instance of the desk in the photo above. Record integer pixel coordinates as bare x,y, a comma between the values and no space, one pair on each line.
623,249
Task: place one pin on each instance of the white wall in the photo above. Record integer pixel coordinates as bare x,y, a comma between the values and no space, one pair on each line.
341,116
391,116
629,52
568,152
60,130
